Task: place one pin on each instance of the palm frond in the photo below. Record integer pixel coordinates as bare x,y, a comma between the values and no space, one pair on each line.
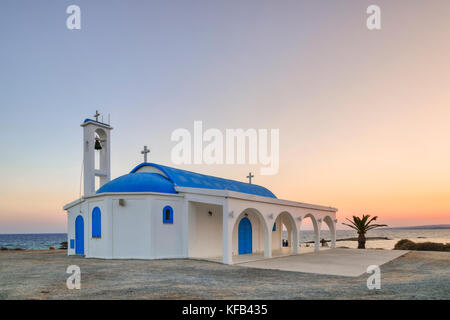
363,224
373,226
350,225
368,222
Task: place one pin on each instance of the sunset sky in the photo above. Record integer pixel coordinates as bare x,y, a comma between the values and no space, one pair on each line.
364,116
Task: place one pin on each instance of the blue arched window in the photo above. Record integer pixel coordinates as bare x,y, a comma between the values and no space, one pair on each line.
167,214
96,223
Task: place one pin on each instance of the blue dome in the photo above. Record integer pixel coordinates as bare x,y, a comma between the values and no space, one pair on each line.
139,182
184,178
167,178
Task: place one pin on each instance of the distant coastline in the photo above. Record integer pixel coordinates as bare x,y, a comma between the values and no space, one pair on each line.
31,233
424,227
428,227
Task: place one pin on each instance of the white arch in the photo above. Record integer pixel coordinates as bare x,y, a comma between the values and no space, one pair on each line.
332,227
294,231
101,162
101,133
267,237
316,230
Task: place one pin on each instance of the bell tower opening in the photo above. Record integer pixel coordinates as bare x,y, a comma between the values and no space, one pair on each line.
96,154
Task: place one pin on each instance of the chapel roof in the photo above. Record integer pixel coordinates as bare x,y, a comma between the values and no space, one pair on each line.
164,179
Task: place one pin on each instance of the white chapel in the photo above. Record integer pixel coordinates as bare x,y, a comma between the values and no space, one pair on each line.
157,211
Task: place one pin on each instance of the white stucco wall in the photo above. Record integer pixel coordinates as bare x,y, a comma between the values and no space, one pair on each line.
277,234
167,239
205,230
134,230
98,247
131,228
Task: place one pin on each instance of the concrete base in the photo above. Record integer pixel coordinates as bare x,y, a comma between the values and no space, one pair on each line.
242,258
339,262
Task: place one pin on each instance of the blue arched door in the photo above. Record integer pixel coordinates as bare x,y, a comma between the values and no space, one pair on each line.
245,236
79,235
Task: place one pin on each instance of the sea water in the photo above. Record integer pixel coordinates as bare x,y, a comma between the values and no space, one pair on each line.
32,241
394,235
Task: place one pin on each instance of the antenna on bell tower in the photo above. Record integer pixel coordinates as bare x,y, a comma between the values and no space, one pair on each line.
96,139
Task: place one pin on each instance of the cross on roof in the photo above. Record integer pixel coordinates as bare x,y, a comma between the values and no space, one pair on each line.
96,115
144,152
250,176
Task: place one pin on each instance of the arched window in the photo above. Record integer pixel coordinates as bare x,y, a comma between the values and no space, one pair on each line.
274,227
96,223
167,214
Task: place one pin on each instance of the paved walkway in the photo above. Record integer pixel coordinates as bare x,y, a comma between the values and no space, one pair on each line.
339,261
241,258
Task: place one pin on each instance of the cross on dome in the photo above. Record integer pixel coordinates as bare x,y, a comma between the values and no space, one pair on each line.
144,152
249,177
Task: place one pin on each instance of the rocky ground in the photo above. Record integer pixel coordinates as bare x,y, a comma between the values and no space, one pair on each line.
42,275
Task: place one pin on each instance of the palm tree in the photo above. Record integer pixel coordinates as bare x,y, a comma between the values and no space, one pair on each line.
362,225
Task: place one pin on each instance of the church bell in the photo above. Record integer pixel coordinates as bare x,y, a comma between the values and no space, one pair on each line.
97,145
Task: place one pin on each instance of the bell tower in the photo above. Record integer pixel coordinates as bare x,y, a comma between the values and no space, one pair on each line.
96,154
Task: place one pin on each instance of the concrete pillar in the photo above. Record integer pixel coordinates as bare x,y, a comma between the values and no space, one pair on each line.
295,240
268,243
110,225
298,223
333,235
227,236
317,236
185,231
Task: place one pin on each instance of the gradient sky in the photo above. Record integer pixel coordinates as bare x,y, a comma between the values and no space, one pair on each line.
363,115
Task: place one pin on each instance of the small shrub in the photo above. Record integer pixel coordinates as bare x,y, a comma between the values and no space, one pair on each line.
430,246
405,244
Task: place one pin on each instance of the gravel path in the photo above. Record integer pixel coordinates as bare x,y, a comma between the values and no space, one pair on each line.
42,275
